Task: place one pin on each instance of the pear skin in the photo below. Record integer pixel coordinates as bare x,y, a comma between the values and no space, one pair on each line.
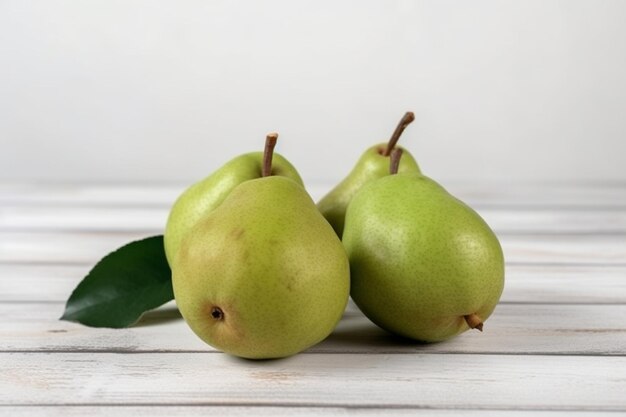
263,274
373,164
205,195
424,265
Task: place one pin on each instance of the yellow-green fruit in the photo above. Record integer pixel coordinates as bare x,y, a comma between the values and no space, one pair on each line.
263,275
424,265
205,195
371,166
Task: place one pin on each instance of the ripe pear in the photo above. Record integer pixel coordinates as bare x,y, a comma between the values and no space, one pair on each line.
263,275
373,164
205,195
424,265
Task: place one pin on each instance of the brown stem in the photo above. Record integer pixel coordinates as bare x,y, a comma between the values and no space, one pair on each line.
474,322
270,142
404,122
396,154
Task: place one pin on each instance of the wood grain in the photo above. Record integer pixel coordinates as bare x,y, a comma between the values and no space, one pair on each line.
151,220
512,329
524,284
565,284
433,381
191,410
555,346
73,248
496,193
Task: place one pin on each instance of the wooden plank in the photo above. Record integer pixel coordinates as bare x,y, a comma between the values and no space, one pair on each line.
573,250
540,194
544,194
94,219
554,221
427,381
534,284
87,195
565,284
39,282
269,411
111,195
152,220
61,247
512,329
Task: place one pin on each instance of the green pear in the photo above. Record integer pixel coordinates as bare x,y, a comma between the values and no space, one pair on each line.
373,164
205,195
424,265
262,275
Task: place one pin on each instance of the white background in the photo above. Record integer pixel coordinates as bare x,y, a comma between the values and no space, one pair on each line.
160,90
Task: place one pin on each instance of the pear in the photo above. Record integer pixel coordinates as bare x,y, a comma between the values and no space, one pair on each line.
205,195
262,275
373,164
424,265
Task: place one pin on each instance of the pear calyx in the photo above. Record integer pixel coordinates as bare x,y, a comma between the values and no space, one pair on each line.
217,313
394,164
404,122
474,322
270,143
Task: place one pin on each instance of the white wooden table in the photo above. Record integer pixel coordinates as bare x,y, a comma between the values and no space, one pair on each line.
556,343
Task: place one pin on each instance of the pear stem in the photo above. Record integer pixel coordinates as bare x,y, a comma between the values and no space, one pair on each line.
474,322
394,164
270,143
404,122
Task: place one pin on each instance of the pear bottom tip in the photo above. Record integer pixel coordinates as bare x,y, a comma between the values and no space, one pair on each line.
474,321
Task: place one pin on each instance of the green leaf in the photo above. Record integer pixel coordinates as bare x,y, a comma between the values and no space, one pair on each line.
122,286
